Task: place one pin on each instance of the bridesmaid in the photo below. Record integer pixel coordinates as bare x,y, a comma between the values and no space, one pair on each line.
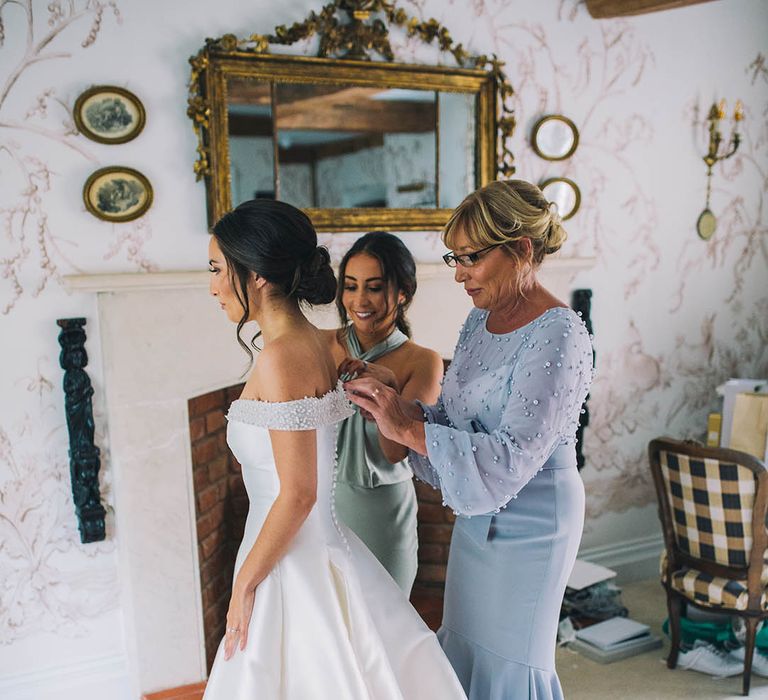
375,496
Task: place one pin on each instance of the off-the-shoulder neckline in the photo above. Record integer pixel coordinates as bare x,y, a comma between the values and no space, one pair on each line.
338,388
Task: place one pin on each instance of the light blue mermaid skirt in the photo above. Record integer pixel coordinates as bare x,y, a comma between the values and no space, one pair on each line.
384,518
505,583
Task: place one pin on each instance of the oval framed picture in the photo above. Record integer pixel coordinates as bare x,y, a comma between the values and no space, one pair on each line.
117,194
109,114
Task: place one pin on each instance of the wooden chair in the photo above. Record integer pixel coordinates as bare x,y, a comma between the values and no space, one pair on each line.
712,506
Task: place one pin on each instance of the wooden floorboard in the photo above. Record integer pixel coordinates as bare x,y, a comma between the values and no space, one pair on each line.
184,692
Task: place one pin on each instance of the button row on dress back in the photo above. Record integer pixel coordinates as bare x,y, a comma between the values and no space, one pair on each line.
334,519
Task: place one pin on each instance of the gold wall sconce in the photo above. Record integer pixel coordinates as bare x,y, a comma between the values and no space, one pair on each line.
707,223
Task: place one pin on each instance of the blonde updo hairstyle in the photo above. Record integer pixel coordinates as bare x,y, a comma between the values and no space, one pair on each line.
506,211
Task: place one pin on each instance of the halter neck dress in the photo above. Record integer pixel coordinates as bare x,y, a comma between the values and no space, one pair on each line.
374,498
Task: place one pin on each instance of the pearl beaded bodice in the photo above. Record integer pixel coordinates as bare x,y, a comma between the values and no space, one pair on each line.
249,423
509,407
302,414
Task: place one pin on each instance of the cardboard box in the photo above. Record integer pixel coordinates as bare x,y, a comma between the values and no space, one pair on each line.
749,432
728,391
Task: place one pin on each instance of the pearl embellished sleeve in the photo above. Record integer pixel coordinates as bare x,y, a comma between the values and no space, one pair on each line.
436,413
482,458
419,464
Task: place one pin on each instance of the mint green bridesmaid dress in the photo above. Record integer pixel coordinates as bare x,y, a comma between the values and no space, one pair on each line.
374,498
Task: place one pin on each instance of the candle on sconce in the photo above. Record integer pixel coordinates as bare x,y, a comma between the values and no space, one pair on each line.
721,110
707,223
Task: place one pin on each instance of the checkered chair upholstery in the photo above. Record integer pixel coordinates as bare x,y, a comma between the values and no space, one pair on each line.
712,505
711,591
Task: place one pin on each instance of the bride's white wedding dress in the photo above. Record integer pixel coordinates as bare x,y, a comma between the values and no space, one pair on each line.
328,622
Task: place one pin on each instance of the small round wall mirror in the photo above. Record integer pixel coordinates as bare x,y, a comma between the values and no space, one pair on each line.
564,193
554,137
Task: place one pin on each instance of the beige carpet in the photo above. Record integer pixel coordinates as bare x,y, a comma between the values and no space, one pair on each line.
646,675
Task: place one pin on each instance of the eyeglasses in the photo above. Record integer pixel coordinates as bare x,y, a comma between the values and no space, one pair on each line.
467,259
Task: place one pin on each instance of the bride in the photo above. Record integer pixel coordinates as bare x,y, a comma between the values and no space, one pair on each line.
313,615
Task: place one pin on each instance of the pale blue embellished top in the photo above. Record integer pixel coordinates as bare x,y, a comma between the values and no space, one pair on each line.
508,402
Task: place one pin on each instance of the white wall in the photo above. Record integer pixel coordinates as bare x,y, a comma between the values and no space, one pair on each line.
673,316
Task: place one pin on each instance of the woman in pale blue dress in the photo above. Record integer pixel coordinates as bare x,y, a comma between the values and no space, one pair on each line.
508,412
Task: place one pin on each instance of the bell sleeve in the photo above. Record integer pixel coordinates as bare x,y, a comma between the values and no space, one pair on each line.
420,464
436,413
480,472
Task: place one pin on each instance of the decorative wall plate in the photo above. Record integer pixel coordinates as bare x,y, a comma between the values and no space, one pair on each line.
117,194
563,192
706,225
109,114
554,137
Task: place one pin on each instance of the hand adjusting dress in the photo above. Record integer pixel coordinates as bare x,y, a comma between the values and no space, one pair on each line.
374,498
507,413
328,622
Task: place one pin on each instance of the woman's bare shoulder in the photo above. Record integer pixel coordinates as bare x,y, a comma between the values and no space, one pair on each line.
289,368
420,357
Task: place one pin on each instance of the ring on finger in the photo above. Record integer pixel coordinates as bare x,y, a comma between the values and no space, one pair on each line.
231,630
376,391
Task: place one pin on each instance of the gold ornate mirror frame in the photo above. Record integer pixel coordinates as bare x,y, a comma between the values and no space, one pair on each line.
344,58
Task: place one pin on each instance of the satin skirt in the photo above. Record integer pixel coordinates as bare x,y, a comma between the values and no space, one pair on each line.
505,583
329,623
384,518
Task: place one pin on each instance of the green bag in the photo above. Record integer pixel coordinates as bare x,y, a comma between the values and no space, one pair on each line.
718,633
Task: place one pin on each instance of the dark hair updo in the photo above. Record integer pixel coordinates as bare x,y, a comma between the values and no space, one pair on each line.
278,242
397,267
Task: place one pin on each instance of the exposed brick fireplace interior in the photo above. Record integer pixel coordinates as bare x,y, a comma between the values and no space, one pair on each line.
222,506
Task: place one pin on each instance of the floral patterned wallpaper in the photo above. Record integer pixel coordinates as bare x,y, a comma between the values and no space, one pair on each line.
48,581
674,316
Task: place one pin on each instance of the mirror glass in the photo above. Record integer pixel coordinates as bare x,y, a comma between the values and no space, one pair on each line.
564,193
458,126
354,146
251,155
334,146
554,137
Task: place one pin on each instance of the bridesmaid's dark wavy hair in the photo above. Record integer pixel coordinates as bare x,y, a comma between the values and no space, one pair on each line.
279,243
397,266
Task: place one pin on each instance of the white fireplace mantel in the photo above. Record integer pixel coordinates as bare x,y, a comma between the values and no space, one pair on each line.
186,279
436,288
164,340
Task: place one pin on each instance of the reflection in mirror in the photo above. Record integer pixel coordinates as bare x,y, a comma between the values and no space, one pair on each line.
355,146
350,146
251,154
554,137
564,193
457,129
